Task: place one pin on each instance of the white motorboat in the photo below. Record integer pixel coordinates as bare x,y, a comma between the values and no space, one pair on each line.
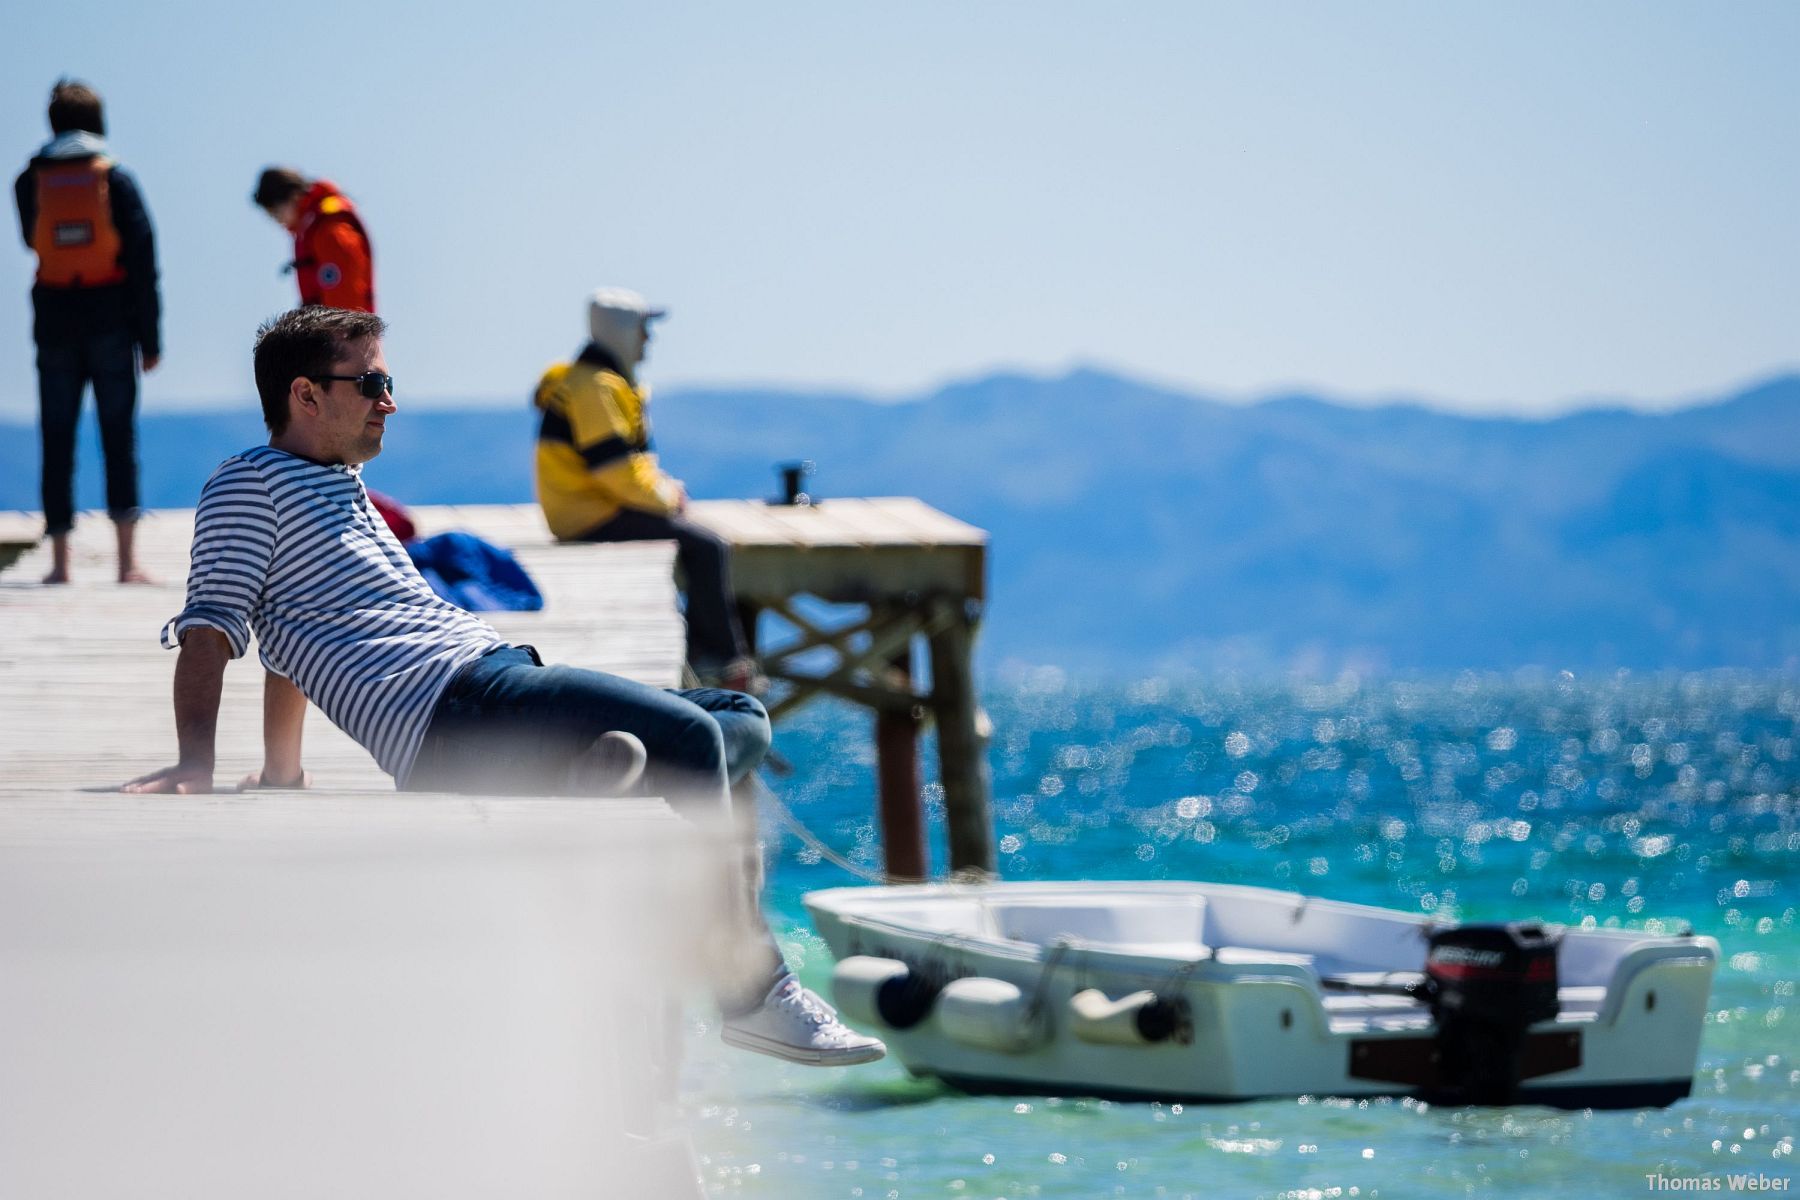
1209,992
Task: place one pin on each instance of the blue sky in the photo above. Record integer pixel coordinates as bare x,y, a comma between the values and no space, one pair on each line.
1512,208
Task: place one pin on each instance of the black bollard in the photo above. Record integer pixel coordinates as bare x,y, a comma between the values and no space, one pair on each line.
791,475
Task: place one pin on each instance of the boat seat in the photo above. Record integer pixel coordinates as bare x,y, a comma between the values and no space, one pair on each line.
1251,956
1173,951
1358,1021
1372,979
1581,999
1578,1003
1111,924
1368,1004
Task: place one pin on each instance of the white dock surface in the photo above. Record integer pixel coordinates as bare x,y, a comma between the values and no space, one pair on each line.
346,992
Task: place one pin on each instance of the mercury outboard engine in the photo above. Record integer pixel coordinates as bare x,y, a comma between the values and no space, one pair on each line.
1486,985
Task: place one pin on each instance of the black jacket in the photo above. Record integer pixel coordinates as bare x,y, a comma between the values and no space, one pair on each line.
133,305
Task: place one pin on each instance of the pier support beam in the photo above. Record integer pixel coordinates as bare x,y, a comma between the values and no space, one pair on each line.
962,739
897,775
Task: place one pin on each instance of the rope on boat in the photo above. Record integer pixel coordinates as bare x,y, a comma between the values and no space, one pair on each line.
813,843
1177,979
1061,946
817,845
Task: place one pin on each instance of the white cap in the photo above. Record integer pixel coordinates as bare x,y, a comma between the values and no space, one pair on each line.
614,308
614,317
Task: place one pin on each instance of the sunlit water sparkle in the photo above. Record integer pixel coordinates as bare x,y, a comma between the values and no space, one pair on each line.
1619,802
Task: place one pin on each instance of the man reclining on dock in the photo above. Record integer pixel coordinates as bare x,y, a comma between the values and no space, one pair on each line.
286,544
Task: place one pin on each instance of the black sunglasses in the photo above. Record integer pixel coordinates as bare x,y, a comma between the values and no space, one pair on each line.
372,384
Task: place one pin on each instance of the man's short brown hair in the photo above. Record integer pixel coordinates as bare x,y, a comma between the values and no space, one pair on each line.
304,343
76,106
276,186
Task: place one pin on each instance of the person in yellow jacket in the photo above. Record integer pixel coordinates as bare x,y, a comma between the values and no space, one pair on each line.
598,478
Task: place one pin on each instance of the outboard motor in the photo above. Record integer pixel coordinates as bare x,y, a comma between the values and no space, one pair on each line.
1486,985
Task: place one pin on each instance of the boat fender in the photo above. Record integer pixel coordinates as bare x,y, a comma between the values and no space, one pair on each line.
882,991
990,1014
1140,1019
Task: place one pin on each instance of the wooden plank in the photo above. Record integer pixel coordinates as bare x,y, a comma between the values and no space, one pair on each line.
763,574
868,522
851,550
876,522
741,522
927,525
803,527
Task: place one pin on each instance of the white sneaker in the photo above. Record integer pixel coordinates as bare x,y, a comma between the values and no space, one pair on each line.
795,1024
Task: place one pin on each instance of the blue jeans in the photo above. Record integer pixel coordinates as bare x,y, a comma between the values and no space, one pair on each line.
66,365
508,725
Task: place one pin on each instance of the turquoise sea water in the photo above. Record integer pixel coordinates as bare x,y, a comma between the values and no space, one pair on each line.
1620,801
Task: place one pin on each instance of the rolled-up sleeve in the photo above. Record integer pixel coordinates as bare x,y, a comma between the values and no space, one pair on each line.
234,543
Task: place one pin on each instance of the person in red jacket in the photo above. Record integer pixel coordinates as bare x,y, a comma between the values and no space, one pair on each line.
333,261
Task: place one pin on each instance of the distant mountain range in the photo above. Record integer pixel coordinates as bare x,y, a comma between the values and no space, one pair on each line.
1137,528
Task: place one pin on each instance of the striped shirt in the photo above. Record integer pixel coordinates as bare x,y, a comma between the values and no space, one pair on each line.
292,550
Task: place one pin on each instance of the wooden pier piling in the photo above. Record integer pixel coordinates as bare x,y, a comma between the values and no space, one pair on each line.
907,572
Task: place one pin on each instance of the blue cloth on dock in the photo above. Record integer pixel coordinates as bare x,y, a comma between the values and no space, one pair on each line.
475,575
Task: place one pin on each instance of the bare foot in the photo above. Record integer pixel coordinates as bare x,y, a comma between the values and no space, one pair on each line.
56,577
134,575
256,782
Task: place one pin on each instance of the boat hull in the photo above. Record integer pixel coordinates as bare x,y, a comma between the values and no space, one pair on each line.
1279,995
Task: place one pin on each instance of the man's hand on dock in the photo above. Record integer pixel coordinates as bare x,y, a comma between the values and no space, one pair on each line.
180,779
199,676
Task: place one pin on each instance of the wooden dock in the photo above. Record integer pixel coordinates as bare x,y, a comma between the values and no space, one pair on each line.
84,685
906,573
227,995
432,995
299,994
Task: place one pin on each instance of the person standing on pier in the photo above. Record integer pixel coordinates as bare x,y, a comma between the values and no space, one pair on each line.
97,314
598,479
287,547
333,260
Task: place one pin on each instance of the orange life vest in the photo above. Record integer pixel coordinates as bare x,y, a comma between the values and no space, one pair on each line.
343,278
76,241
